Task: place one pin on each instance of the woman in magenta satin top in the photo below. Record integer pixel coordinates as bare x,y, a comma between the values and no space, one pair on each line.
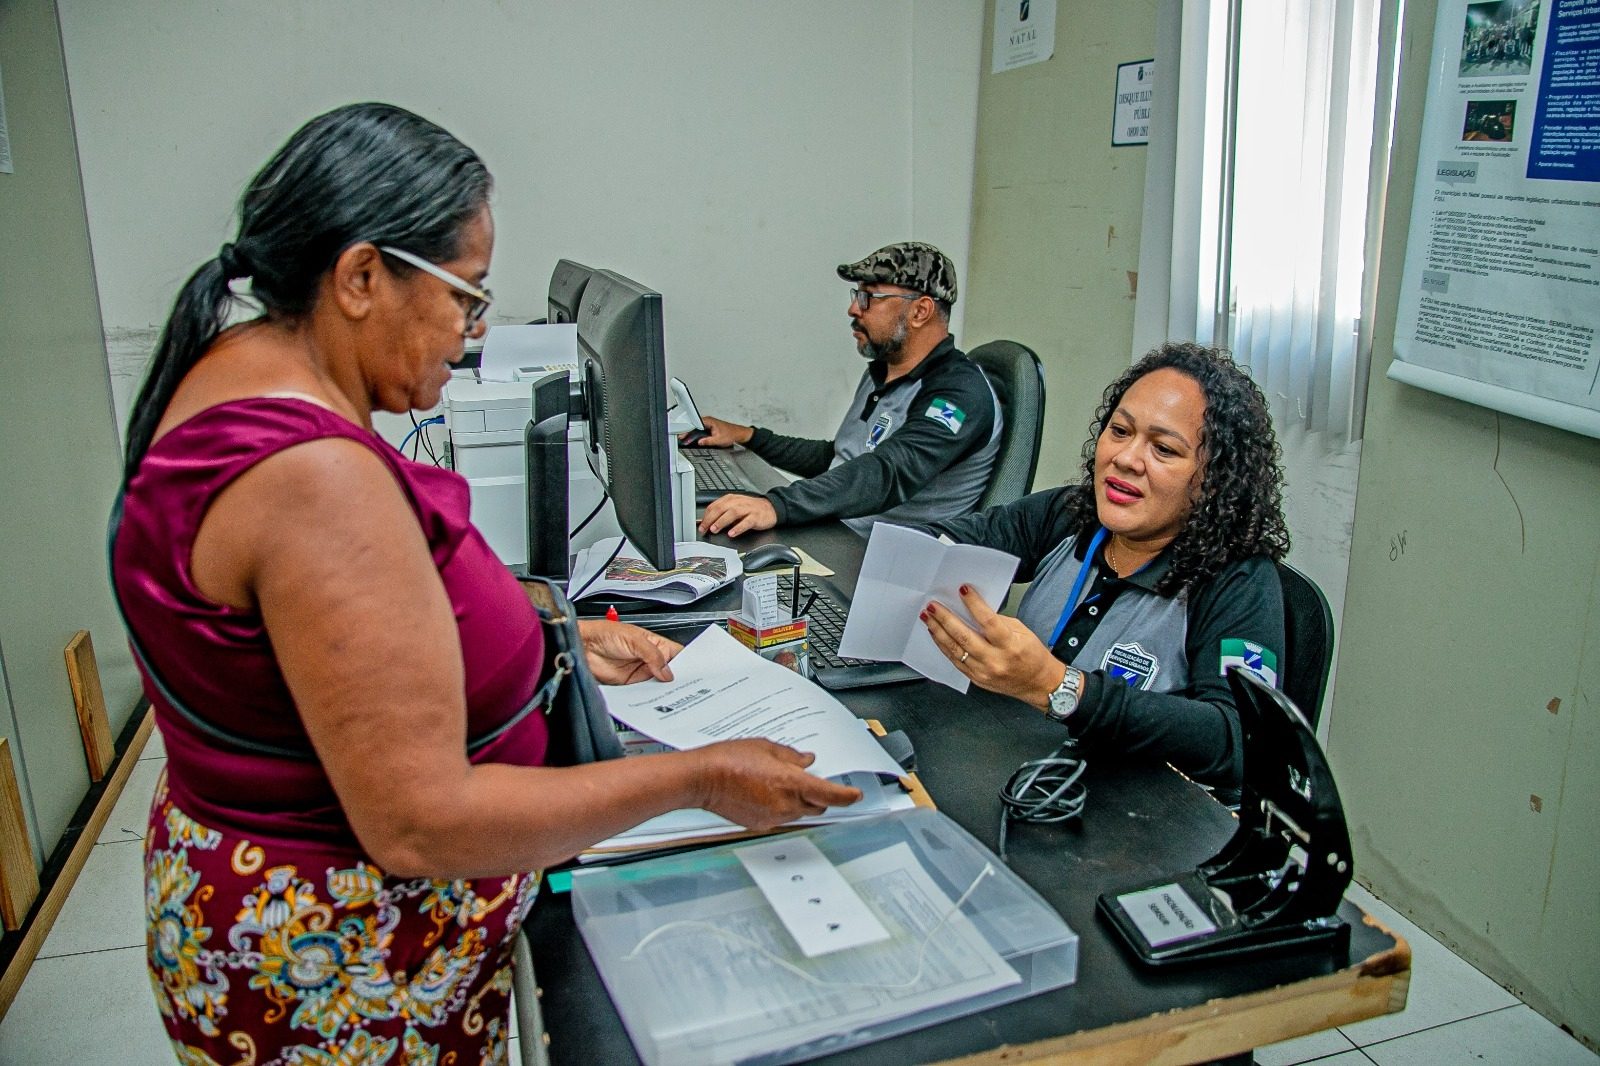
296,581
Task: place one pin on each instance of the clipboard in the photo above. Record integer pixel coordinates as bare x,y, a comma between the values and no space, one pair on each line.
561,880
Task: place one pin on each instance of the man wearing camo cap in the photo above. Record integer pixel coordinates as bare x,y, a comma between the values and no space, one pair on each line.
921,436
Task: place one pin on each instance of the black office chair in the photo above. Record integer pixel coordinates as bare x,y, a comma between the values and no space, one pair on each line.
1308,633
1018,382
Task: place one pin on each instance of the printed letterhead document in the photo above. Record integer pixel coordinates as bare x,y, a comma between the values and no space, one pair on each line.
722,690
903,571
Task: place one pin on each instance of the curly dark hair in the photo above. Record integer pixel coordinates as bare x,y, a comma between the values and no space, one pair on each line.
1238,512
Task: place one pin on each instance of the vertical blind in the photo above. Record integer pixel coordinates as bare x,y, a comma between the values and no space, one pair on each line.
1270,141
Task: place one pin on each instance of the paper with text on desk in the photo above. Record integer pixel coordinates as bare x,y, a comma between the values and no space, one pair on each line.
903,571
722,690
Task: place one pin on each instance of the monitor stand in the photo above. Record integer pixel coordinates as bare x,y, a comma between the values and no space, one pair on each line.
555,400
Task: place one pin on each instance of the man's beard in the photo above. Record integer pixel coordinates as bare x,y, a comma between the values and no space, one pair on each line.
886,349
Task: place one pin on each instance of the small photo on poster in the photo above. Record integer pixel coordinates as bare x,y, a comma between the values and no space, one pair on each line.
1497,38
1489,120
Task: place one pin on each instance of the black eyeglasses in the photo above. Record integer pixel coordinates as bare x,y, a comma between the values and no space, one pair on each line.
480,298
862,299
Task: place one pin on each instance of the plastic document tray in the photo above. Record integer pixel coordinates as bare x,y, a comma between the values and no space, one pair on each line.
702,991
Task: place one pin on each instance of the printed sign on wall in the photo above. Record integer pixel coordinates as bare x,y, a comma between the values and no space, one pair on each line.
1500,302
1136,84
1024,32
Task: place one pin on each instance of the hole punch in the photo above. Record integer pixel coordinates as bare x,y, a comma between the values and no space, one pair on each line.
1263,891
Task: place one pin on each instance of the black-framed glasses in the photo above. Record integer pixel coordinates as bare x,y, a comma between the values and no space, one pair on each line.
862,299
480,299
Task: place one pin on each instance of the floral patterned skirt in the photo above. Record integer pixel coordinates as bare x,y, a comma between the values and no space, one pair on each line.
259,956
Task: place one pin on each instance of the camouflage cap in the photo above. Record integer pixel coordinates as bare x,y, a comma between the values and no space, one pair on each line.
909,264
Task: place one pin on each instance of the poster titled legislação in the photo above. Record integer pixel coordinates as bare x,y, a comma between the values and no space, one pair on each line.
1500,303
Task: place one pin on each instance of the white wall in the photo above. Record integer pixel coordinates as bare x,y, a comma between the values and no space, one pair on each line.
729,154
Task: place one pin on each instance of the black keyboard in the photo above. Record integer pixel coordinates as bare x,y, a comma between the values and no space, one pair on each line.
714,474
828,613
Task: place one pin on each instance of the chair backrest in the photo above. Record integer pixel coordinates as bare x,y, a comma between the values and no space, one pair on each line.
1018,382
1308,632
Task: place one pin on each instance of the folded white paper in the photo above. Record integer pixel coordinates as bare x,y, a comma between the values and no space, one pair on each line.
905,570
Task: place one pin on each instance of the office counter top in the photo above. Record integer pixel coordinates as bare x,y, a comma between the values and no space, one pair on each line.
1142,821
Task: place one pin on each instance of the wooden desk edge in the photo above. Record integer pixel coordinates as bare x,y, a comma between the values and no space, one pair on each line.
1376,985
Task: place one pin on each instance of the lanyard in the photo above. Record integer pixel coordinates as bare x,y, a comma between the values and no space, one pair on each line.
1098,539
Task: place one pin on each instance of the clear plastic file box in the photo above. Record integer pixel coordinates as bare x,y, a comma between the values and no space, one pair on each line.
702,970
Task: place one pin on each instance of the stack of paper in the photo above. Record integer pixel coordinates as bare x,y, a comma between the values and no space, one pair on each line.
723,691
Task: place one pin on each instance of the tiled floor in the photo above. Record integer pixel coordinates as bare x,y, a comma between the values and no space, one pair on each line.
87,1000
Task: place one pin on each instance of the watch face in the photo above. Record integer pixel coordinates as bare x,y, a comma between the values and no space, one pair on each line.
1064,700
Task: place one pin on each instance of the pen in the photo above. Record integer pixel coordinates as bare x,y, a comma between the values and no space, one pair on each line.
794,599
809,601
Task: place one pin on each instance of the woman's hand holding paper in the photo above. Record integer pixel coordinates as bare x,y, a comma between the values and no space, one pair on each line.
1001,654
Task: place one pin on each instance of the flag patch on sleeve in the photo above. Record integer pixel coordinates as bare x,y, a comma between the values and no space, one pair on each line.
949,414
1252,657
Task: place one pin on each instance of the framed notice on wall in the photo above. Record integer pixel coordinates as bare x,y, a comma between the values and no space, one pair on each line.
1024,33
1500,302
1130,115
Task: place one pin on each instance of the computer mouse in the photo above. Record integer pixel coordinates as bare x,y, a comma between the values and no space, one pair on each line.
693,437
767,556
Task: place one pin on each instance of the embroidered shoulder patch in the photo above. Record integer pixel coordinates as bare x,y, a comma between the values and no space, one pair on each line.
1252,657
947,413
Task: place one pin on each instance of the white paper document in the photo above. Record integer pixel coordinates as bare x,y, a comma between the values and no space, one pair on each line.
810,896
508,349
878,797
903,571
722,690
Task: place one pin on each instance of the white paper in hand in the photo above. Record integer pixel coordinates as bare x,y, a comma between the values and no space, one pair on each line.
902,572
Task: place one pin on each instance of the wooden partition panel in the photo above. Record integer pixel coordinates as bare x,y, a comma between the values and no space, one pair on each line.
90,700
19,881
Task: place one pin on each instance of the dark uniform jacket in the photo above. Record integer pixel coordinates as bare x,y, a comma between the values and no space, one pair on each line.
919,449
1153,664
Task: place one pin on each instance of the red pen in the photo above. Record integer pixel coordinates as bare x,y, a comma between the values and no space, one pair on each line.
611,614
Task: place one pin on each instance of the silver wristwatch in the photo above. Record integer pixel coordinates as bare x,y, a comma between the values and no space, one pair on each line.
1064,700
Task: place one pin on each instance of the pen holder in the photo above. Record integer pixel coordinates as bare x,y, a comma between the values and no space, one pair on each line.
785,643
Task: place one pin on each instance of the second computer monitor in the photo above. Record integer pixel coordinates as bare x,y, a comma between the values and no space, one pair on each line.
623,355
567,283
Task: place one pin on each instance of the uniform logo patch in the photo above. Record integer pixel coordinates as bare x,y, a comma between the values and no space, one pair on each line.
1252,657
949,414
880,429
1131,664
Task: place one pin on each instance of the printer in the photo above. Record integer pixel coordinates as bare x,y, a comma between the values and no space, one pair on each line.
485,422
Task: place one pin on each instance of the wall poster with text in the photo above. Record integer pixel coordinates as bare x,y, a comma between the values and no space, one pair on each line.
1500,302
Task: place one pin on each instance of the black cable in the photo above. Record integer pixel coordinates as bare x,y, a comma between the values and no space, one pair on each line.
595,576
604,496
416,431
427,445
1044,790
420,432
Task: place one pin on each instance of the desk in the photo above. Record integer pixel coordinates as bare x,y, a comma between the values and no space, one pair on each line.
1141,822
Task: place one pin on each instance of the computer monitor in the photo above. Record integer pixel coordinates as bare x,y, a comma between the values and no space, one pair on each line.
620,399
567,283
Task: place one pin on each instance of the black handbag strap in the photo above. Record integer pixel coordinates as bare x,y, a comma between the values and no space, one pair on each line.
543,699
